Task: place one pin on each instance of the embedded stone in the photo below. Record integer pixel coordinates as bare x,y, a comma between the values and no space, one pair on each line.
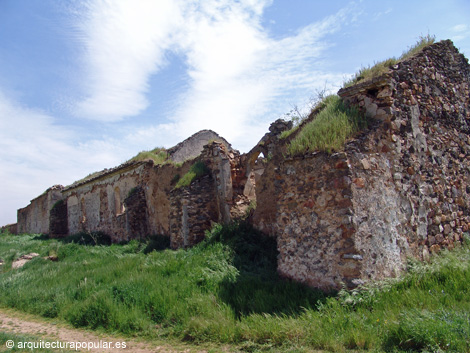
309,203
435,248
365,164
341,165
447,228
359,182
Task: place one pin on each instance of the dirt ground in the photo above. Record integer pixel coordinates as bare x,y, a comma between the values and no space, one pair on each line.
18,323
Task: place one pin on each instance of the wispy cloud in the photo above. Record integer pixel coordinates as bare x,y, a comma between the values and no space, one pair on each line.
124,44
460,32
37,153
235,69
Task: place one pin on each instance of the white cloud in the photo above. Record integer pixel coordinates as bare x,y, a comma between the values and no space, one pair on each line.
460,32
124,44
460,28
235,69
238,73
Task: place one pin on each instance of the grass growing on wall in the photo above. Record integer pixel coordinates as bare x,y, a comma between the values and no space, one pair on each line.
157,155
226,290
197,170
329,130
367,73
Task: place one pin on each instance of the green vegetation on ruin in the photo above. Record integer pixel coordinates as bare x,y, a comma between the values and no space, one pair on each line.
333,122
226,290
379,68
197,170
158,155
285,134
88,177
330,128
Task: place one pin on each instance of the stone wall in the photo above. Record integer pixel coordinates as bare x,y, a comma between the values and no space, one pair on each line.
420,148
399,189
194,145
99,204
34,218
128,202
193,209
9,228
313,220
264,181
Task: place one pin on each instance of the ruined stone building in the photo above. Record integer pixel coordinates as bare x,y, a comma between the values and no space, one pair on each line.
400,188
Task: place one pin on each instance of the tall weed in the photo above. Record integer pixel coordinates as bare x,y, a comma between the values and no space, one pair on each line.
329,130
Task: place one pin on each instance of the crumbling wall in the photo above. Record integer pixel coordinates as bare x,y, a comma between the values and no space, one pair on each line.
313,220
418,154
34,218
9,228
194,145
399,189
99,204
158,184
265,180
127,202
218,159
207,199
193,209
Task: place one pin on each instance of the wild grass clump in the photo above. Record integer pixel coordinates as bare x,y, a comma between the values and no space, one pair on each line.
86,238
157,155
329,130
367,73
316,103
197,170
285,134
423,42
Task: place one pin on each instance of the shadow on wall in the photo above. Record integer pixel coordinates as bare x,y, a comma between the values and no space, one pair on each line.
258,288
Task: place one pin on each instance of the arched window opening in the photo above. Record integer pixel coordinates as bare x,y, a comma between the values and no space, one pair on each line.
261,159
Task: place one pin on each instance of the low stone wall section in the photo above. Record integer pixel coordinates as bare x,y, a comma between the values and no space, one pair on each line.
193,209
400,188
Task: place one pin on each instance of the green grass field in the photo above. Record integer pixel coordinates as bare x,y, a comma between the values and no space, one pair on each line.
226,290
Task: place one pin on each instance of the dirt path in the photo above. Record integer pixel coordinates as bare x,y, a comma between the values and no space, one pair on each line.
19,323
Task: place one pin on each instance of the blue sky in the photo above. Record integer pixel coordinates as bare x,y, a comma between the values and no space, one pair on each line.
85,85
